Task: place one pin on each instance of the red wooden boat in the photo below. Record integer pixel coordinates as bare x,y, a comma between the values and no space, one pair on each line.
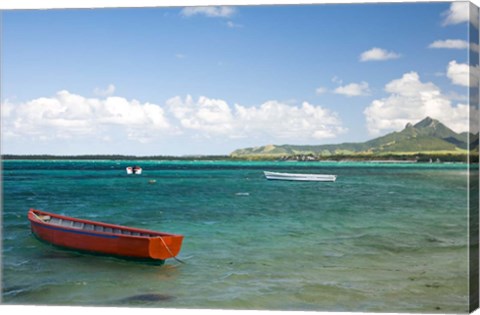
103,238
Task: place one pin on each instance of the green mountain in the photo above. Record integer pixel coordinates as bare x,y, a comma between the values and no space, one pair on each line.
425,136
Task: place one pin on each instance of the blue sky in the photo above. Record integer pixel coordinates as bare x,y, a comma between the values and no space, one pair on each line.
209,80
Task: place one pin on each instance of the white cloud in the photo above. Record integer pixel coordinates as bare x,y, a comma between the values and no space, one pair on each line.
7,109
458,13
378,54
337,80
449,44
210,11
411,100
321,90
271,120
294,123
211,116
353,89
105,92
475,47
68,115
230,24
114,119
462,74
458,73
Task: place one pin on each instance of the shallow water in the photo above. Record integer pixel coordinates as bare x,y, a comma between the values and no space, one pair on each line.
387,238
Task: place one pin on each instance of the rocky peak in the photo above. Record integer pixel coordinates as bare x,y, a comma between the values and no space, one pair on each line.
427,122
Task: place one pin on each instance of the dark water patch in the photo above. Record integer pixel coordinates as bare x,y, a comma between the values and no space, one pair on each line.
58,255
146,298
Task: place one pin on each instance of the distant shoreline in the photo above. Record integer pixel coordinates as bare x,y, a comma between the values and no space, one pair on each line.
385,158
112,157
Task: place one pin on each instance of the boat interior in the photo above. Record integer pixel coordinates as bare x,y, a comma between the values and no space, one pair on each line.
89,227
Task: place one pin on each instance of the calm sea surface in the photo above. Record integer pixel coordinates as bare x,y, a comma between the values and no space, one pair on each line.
388,238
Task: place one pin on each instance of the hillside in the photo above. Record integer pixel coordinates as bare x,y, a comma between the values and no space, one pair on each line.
428,135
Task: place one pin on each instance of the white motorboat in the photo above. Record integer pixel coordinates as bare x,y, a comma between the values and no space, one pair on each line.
300,177
134,170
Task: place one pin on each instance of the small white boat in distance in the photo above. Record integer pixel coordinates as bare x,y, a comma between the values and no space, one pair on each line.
300,177
134,170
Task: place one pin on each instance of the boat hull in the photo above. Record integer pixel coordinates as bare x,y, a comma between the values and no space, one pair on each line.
102,238
134,170
300,177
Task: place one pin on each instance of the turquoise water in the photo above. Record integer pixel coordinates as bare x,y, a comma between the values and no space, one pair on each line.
382,238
